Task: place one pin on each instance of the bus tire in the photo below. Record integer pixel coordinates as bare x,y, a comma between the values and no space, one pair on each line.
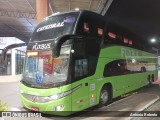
152,78
105,96
149,81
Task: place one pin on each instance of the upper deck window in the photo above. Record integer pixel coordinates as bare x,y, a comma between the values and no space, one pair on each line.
112,35
125,40
86,27
90,25
130,42
100,31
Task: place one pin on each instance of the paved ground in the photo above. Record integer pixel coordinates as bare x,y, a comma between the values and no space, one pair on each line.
9,92
154,109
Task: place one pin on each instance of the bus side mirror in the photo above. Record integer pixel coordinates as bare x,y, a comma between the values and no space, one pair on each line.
58,43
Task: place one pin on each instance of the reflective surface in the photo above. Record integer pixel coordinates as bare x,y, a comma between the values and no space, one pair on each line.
44,71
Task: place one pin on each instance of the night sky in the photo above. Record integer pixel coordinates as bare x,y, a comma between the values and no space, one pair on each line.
141,17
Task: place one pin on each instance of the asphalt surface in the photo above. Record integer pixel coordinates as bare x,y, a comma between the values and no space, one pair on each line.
134,101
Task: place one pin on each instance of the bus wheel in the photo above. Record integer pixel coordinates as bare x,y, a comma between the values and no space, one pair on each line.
152,78
149,81
105,97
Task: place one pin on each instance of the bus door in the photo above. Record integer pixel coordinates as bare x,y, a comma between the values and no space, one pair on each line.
85,59
80,85
84,84
80,73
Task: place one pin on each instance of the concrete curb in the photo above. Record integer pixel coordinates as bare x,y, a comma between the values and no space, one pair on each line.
152,102
147,106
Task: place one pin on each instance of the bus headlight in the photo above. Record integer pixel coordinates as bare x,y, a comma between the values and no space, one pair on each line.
60,95
55,97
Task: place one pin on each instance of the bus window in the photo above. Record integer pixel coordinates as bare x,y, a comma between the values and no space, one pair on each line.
85,56
130,42
79,48
81,67
90,25
123,67
117,67
125,40
56,26
86,27
112,35
100,31
110,38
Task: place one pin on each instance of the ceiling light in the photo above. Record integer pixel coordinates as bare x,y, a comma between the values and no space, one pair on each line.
76,9
153,40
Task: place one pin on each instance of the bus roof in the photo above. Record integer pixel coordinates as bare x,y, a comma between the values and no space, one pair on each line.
79,11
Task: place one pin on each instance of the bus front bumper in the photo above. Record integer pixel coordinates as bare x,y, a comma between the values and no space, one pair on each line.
55,107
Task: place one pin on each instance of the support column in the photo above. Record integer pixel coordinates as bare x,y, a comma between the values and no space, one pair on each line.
13,62
42,9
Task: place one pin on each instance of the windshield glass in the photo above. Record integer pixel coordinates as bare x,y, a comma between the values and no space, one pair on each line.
45,71
55,26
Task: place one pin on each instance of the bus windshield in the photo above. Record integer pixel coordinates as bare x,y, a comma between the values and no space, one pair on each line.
44,71
55,26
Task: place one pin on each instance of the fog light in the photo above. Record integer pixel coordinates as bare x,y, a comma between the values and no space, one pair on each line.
59,108
21,91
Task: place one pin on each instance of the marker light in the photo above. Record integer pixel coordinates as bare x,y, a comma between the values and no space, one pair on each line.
133,60
92,95
21,91
32,53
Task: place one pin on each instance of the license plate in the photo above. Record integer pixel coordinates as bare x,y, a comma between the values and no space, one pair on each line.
35,108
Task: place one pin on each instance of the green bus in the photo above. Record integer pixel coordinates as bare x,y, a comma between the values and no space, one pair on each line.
73,62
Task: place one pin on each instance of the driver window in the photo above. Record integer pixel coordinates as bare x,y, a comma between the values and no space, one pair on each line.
81,67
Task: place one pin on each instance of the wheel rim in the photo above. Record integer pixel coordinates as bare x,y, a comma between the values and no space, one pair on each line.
149,82
104,97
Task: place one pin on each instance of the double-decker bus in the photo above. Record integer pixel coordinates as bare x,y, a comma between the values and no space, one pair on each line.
73,62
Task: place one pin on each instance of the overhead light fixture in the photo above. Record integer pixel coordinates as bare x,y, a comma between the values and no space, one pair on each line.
76,9
55,13
46,18
153,40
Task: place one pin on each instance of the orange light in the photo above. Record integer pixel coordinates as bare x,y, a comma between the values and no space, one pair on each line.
81,101
92,96
32,53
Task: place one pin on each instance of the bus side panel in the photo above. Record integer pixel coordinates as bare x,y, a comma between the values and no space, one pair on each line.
117,82
134,81
124,83
80,95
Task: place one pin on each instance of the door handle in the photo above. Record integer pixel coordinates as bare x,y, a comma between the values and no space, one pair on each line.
86,84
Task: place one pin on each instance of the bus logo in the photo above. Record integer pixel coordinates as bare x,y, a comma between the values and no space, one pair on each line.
54,25
41,46
38,79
